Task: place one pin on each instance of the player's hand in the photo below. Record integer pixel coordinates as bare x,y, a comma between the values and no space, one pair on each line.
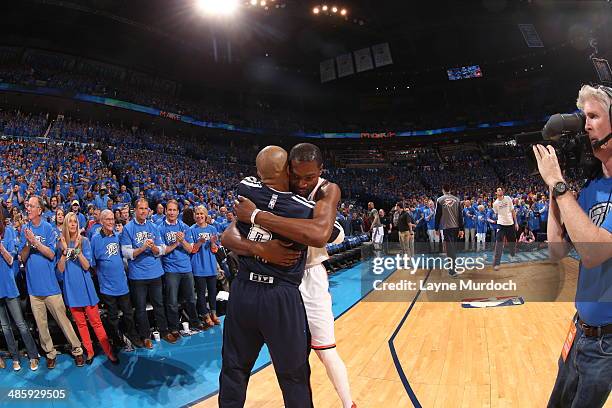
213,239
149,243
437,233
278,253
180,237
244,208
461,233
516,227
548,164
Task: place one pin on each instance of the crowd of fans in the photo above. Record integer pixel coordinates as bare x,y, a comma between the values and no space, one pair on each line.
168,201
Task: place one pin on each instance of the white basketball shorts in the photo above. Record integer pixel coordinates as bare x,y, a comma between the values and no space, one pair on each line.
318,304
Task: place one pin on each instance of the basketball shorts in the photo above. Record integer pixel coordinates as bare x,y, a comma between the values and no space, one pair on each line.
318,304
378,234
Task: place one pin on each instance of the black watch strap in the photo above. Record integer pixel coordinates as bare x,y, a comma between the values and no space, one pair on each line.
560,188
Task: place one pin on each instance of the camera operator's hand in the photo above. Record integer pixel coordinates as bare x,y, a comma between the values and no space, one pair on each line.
548,164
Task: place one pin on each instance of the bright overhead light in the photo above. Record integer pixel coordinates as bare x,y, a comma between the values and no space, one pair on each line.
334,9
218,7
315,10
343,12
324,8
263,3
253,2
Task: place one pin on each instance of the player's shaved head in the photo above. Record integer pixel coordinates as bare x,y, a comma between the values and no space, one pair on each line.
271,165
271,161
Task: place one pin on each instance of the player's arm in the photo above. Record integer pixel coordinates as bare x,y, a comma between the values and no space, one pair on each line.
438,216
313,232
275,251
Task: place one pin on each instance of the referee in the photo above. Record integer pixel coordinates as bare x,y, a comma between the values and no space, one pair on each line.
449,219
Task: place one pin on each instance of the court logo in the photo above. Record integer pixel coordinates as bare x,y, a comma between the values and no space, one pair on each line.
598,213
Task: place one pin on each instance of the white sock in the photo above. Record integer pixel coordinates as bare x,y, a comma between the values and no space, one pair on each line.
336,371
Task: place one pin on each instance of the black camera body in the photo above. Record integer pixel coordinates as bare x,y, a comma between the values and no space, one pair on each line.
565,132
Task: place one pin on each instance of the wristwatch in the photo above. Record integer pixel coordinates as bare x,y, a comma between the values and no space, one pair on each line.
560,188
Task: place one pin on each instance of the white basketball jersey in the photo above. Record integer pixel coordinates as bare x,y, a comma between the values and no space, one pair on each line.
316,256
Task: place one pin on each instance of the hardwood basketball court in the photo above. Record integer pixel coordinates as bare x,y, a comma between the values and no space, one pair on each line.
451,356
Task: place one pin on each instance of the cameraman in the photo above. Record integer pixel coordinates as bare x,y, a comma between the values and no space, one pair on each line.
585,374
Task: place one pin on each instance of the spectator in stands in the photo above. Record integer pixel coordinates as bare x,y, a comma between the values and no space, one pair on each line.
124,197
345,222
404,226
178,278
79,291
75,208
59,220
469,225
204,266
540,209
38,241
188,217
101,199
356,224
429,214
141,246
107,262
49,215
527,236
125,213
93,226
481,228
10,305
159,214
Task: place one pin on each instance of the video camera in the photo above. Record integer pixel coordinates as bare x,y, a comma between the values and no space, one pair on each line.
565,132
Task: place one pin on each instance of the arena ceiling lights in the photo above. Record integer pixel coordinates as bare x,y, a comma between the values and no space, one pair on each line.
217,7
329,10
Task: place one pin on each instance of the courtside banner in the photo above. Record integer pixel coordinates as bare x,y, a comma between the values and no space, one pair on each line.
116,103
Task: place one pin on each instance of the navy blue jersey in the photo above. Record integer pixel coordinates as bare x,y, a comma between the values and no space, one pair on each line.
279,203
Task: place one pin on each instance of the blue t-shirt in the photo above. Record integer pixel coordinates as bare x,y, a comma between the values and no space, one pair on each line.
532,221
221,224
468,220
157,218
146,265
481,222
431,222
106,258
40,270
594,291
204,262
491,215
179,260
541,209
93,230
8,287
79,290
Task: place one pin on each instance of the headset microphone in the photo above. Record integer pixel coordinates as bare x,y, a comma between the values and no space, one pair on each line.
597,144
